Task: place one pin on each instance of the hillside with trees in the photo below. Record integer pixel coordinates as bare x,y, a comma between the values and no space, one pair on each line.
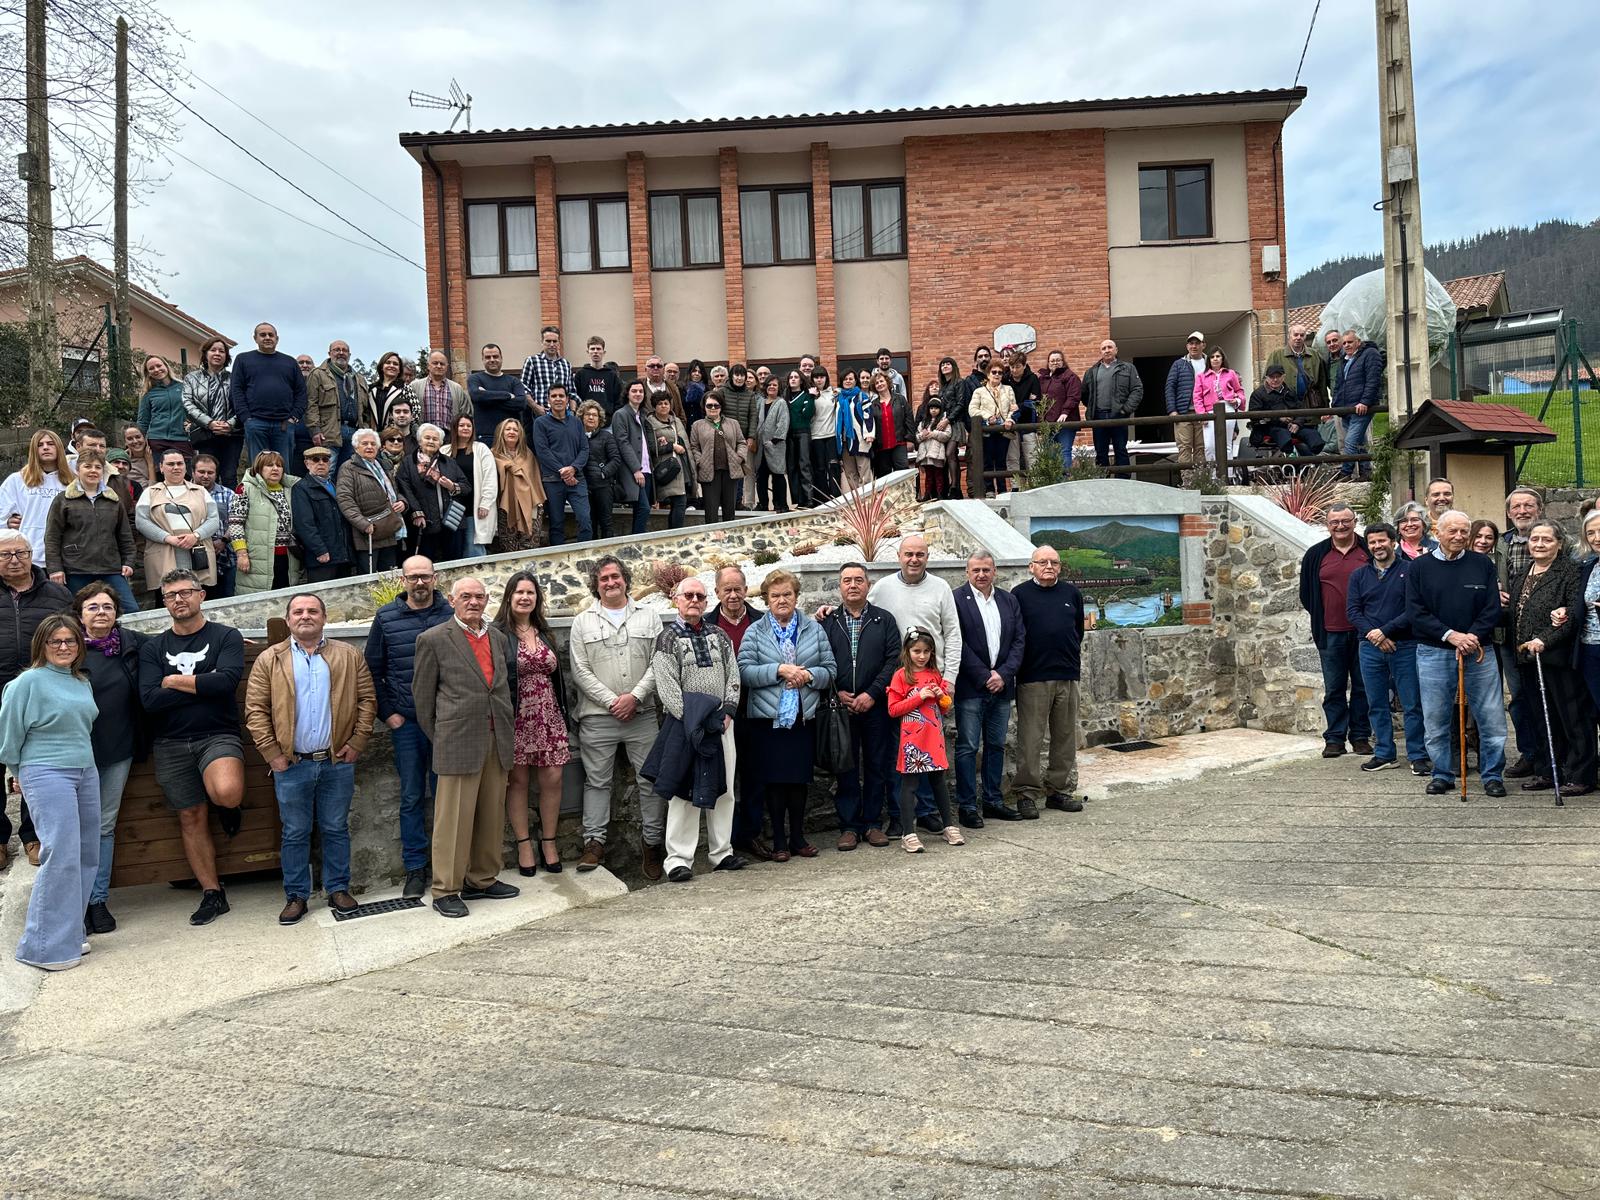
1552,264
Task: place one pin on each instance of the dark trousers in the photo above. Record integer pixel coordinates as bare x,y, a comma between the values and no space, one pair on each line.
677,511
1525,718
750,809
780,491
641,506
786,802
558,495
25,830
226,451
1567,700
824,469
601,503
322,572
995,448
383,558
721,497
1109,441
1344,699
863,790
798,464
908,800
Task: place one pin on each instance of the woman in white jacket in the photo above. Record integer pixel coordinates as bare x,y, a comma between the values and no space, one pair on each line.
478,468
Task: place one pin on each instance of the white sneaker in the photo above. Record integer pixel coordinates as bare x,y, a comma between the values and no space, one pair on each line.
952,835
911,844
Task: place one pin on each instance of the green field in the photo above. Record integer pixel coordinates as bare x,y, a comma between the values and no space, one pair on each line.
1553,464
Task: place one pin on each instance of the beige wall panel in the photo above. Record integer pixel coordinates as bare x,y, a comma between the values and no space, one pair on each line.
868,162
482,183
689,311
583,178
598,303
675,174
1220,145
1204,277
503,311
757,169
873,305
780,312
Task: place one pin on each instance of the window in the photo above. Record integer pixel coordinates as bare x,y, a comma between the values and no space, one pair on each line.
594,233
80,373
869,220
775,225
685,230
1174,202
500,238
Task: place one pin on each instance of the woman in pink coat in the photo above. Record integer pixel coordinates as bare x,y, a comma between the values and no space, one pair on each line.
1217,385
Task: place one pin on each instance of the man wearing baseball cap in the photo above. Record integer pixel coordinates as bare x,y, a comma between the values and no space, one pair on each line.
1280,435
1180,399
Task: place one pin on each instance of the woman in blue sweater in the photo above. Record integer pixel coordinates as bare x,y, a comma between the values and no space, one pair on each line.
45,742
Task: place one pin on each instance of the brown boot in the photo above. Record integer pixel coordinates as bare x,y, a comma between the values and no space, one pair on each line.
652,858
594,853
31,849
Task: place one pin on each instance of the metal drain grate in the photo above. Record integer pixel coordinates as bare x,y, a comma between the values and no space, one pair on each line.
1131,747
377,907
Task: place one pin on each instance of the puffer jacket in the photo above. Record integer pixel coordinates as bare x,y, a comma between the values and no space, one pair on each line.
392,650
758,667
20,614
1361,379
256,526
1180,386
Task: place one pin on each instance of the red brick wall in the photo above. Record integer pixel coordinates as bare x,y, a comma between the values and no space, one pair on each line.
732,251
993,236
822,235
544,216
1263,186
644,334
454,340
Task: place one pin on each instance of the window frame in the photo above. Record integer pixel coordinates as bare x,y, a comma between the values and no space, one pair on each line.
88,386
683,196
866,217
500,204
777,189
1172,201
592,199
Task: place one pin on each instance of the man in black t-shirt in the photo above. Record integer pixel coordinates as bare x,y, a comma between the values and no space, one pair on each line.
189,682
598,380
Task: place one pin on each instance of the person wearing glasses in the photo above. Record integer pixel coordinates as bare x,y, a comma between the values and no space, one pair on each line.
45,728
717,449
188,680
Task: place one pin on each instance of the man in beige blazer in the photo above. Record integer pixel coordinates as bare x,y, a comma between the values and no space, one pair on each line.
463,680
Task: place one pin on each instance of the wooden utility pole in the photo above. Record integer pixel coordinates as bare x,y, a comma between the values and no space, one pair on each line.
1404,288
122,358
44,353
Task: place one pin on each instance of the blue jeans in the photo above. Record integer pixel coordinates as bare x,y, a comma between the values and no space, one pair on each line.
641,506
1436,675
1355,433
117,581
558,495
113,778
984,716
1344,700
343,453
65,802
1379,673
864,789
268,435
319,791
476,550
413,756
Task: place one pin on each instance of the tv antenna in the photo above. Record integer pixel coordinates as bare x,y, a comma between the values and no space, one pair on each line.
458,102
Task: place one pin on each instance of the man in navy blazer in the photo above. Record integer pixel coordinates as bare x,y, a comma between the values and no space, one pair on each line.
991,655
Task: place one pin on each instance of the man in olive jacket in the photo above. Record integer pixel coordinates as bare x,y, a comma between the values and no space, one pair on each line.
338,402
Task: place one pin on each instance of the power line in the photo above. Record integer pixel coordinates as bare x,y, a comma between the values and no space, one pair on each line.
329,166
189,108
1307,45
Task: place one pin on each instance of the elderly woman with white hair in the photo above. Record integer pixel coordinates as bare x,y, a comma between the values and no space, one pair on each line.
430,483
371,504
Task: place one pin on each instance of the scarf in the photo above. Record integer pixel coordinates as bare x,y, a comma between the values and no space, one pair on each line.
697,640
521,492
789,700
110,645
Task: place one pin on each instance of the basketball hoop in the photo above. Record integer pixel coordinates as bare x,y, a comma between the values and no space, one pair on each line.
1016,336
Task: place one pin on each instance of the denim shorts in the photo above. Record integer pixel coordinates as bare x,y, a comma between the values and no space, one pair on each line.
181,764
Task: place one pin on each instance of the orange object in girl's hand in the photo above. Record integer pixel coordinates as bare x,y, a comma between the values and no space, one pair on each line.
945,702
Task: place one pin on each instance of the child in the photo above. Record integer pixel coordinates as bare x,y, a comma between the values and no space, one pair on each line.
933,439
916,695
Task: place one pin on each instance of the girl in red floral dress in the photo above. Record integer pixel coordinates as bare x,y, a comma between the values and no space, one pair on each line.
916,697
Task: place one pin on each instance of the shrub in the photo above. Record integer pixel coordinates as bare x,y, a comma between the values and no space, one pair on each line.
386,588
804,548
765,558
667,575
866,518
1047,466
1305,493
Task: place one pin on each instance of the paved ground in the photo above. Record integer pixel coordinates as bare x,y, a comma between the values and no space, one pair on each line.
1298,981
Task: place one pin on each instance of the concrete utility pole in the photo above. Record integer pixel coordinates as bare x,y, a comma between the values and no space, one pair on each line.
122,360
44,352
1404,289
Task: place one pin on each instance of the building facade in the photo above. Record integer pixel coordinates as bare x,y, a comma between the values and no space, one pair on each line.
761,239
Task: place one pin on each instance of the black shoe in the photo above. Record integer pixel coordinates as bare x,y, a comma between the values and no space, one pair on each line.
1422,767
732,863
1495,788
931,824
1379,764
1520,769
1333,750
231,819
416,883
894,833
1027,809
450,906
99,919
999,812
553,867
969,820
1063,803
1360,746
680,875
1539,783
1440,787
527,872
212,905
495,891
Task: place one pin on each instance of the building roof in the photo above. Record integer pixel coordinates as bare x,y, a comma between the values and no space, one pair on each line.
967,118
1446,421
85,269
1469,293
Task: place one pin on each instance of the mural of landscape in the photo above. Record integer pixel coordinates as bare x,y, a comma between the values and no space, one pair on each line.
1127,564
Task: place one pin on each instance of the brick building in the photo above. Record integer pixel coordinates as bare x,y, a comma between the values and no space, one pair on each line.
760,239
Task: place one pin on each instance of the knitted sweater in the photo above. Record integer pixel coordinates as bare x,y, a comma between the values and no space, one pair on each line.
46,719
930,606
676,670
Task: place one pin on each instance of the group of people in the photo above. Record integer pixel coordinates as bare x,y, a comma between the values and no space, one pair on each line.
718,709
1450,622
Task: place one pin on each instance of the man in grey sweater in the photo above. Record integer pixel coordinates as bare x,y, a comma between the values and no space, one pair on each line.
918,600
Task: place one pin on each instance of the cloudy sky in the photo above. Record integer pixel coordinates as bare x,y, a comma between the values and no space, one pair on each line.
334,77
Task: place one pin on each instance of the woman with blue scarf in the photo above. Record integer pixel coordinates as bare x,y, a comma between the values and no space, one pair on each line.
785,667
857,434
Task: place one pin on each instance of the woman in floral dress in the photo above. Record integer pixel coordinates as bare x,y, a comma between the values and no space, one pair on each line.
541,735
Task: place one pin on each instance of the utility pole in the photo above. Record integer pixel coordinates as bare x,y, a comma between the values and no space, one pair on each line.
1404,289
44,353
122,356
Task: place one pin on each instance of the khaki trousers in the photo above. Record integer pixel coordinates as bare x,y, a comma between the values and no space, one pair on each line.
1191,443
469,827
1049,705
855,472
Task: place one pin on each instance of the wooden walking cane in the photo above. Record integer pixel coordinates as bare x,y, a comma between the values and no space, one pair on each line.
1461,718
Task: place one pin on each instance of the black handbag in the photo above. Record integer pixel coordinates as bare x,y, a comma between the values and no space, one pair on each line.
835,753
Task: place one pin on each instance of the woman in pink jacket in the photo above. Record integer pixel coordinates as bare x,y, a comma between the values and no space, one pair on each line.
1217,385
